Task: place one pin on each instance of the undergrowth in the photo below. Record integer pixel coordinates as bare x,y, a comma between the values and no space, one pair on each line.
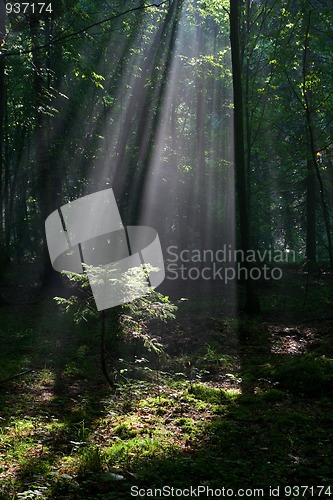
251,419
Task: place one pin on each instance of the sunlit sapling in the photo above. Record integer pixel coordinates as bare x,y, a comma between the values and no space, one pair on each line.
132,318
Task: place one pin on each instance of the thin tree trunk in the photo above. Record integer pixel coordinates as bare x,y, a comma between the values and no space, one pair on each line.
103,351
311,188
201,143
12,192
311,129
252,302
2,107
45,174
247,107
2,119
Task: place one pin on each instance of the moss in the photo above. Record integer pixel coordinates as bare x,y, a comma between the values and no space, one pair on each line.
273,396
306,375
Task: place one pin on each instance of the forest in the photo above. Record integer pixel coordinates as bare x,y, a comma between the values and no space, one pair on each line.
166,249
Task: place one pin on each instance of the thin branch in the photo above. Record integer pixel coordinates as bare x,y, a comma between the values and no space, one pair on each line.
15,376
300,100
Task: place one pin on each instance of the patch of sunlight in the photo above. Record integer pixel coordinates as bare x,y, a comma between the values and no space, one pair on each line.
134,450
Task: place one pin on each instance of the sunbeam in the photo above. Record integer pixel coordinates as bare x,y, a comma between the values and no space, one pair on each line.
167,173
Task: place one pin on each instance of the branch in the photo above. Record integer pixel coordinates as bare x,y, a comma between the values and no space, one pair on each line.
15,376
59,38
300,100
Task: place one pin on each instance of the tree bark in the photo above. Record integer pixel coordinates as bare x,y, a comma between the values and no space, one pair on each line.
2,107
201,143
2,119
311,188
312,139
252,302
2,21
45,175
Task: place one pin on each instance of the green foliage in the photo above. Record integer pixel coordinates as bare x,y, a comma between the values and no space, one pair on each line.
306,375
187,425
82,308
273,396
134,316
124,430
32,494
90,461
213,355
212,395
132,451
132,319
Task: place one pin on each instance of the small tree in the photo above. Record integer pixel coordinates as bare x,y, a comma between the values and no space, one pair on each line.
131,319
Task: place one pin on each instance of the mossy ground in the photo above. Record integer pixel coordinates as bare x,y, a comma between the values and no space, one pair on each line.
245,404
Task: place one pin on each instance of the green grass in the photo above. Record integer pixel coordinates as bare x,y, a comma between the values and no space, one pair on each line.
90,461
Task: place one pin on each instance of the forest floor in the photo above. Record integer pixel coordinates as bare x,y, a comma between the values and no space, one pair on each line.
236,403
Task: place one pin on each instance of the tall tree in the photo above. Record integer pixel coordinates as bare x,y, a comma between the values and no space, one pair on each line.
313,160
2,104
252,301
3,257
201,140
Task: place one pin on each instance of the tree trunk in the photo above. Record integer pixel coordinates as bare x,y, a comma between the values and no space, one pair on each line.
2,107
201,143
252,302
311,188
45,174
312,136
2,21
2,119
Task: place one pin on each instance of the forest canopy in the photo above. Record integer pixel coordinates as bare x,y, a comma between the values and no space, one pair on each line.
94,97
